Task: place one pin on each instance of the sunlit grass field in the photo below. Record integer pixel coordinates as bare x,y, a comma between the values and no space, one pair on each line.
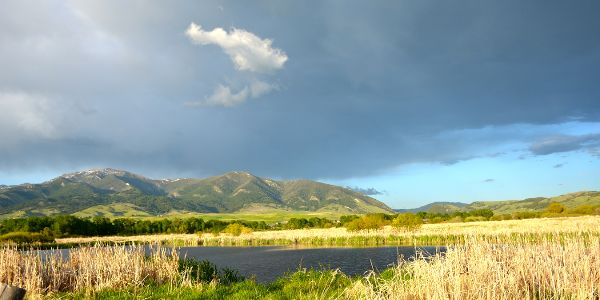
428,234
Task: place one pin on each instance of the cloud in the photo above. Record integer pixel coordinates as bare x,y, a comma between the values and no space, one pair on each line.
367,191
557,166
565,143
223,95
247,51
489,180
348,109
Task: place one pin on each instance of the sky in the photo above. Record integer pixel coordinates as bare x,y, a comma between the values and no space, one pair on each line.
408,101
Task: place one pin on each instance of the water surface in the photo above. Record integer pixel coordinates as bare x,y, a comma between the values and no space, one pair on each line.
268,263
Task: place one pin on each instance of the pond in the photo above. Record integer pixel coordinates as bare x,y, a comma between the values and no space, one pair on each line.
268,263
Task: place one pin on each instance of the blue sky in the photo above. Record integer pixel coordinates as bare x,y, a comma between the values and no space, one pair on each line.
412,101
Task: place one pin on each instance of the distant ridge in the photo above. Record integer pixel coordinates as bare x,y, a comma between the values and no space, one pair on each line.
437,207
570,200
117,192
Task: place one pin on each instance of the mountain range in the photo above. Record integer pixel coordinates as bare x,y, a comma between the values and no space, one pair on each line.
111,192
117,192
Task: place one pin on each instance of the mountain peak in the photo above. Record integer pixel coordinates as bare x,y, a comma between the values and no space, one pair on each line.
97,172
238,173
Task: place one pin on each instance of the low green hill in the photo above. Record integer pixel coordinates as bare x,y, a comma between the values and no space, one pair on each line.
538,204
438,207
571,200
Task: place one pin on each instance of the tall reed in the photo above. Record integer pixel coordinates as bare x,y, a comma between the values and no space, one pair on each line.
88,269
485,268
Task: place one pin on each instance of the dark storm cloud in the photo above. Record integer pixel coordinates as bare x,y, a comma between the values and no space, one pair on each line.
366,87
367,191
565,143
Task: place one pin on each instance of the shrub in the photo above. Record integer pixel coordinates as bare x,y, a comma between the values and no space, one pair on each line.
236,229
206,271
407,222
486,213
525,215
436,220
555,208
584,209
501,217
456,219
475,219
26,237
367,222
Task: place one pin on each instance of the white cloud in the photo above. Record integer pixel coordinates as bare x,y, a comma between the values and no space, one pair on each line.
224,96
247,51
259,88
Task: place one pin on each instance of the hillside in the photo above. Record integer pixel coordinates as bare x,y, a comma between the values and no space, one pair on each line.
437,207
120,193
570,200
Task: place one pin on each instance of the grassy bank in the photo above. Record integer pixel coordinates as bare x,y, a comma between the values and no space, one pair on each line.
556,266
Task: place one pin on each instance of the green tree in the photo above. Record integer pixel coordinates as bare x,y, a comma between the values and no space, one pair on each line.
407,222
297,223
555,208
367,222
236,229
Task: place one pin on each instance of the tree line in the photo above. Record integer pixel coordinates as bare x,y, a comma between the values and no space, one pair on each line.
66,225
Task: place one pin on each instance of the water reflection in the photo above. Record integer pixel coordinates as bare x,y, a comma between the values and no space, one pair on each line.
268,263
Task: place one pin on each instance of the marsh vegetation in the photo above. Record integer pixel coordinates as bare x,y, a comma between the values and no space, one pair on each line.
517,260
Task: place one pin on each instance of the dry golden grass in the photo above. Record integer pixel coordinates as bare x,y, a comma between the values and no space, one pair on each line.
487,228
548,225
180,239
88,269
557,268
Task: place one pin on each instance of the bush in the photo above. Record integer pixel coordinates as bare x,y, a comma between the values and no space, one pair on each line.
26,237
205,271
475,219
584,209
501,217
236,229
436,220
456,219
486,213
555,208
525,215
367,222
407,222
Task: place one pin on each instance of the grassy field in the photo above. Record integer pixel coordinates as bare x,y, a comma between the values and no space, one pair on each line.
429,234
126,210
115,210
530,259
